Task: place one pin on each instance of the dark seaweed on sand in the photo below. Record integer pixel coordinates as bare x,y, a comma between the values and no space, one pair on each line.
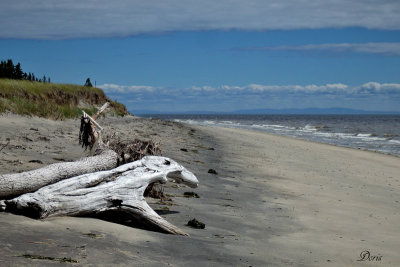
196,224
86,138
212,171
191,195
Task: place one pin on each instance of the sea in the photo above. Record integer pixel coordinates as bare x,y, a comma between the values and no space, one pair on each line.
379,133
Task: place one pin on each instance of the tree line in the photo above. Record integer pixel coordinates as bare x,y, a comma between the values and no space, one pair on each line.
10,71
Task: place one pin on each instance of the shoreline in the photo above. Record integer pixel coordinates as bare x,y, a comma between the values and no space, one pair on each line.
296,138
332,131
274,201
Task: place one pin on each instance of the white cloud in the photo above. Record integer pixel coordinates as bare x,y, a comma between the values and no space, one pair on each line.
375,87
336,88
371,48
60,19
259,88
368,96
115,88
298,88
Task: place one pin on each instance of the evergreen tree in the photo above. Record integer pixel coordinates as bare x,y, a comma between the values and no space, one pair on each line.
2,68
88,83
9,69
18,73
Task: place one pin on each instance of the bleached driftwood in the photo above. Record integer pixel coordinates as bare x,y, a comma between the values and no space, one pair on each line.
100,110
88,136
85,115
117,191
15,184
88,188
95,116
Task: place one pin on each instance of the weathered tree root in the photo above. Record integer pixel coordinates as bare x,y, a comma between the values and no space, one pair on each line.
118,191
131,150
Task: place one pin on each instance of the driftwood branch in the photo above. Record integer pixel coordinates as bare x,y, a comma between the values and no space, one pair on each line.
92,120
88,136
15,184
101,109
118,191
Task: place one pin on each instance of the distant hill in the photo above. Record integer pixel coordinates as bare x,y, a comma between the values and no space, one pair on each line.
326,111
51,100
312,111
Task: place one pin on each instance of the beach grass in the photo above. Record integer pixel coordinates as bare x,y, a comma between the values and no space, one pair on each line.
52,100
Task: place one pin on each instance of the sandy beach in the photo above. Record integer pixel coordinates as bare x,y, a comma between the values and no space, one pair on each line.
275,201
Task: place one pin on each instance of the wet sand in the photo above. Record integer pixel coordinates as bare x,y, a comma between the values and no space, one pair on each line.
274,201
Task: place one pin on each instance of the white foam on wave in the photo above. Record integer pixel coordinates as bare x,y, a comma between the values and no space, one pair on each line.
364,135
232,124
186,121
273,127
308,128
329,135
309,132
344,135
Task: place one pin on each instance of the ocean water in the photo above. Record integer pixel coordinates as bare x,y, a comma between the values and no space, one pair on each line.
379,133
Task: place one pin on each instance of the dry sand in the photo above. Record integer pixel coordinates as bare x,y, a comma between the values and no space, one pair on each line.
275,201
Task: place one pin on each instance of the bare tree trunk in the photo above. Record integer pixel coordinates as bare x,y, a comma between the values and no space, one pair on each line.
15,184
118,191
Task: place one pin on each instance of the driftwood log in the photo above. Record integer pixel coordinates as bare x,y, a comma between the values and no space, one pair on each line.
94,186
114,193
15,184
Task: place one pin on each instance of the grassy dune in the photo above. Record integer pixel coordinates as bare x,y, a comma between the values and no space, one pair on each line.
51,100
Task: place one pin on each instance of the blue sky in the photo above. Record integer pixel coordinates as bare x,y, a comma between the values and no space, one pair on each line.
226,55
